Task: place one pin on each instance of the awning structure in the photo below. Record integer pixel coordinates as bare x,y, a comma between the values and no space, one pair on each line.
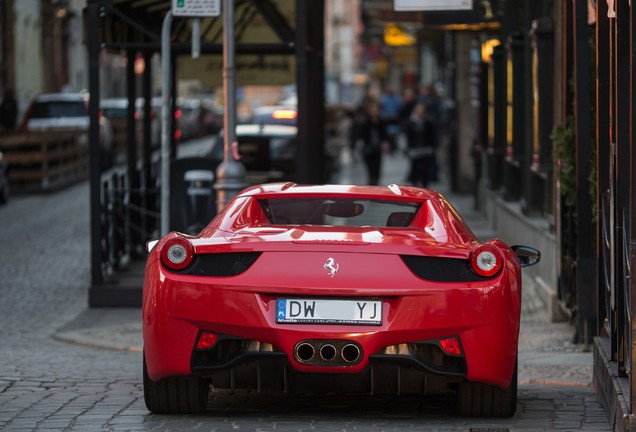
265,39
276,42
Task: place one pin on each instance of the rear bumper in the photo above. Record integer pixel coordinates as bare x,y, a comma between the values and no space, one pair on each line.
484,316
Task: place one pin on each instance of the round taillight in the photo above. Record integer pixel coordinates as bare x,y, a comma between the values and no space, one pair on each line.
177,253
486,260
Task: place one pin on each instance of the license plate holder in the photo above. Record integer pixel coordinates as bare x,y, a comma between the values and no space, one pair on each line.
328,311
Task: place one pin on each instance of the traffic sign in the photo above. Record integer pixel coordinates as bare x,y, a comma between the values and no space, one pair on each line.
196,8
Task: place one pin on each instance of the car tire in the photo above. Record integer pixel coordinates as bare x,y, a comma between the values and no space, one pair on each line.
483,400
176,395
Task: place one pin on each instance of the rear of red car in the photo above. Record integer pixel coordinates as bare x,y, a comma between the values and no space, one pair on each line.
307,307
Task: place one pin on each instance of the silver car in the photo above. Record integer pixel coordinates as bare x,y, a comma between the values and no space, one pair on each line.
67,111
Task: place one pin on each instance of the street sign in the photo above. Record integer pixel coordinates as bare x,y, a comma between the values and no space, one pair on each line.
196,8
432,5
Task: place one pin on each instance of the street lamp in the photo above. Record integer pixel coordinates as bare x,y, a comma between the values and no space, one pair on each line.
230,174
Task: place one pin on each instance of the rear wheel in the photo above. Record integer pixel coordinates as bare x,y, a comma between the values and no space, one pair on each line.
483,400
177,395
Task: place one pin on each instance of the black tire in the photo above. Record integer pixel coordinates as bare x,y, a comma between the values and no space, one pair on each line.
483,400
177,395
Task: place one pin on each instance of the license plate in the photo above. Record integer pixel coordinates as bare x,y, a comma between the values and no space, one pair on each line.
321,311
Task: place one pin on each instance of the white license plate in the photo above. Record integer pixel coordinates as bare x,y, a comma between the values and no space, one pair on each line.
321,311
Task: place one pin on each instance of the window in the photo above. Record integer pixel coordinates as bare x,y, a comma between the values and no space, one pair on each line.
339,211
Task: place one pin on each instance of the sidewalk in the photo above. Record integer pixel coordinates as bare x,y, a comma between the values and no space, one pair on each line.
546,354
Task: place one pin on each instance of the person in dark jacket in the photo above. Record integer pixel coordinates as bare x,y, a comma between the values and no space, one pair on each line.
373,140
421,133
8,110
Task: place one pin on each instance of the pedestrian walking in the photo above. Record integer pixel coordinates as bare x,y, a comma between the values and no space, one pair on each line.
421,132
429,97
372,139
390,105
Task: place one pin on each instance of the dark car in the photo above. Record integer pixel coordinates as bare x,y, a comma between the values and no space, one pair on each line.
4,180
267,151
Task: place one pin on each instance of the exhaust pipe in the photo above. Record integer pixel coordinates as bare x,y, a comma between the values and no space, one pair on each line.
305,351
350,353
327,352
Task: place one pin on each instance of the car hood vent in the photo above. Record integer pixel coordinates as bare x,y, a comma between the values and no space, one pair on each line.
220,264
441,269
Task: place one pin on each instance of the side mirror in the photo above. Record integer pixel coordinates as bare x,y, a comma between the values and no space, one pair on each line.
527,256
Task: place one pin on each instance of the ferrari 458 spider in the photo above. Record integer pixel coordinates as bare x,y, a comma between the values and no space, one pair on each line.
333,288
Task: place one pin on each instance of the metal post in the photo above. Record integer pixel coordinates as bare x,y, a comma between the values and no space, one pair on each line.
97,278
166,119
632,228
586,263
230,174
310,82
196,38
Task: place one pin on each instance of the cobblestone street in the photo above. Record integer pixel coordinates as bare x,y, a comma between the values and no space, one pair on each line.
64,367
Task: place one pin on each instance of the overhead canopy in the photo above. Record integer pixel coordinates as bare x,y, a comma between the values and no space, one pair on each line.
265,38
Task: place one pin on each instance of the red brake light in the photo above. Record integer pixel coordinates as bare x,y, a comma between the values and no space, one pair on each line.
451,346
206,340
486,260
177,253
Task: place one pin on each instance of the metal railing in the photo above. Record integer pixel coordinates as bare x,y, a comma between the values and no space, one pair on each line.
615,267
129,218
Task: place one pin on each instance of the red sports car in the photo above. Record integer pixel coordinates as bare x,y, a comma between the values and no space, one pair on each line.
336,288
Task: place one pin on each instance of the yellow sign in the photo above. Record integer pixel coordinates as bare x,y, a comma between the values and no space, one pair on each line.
395,35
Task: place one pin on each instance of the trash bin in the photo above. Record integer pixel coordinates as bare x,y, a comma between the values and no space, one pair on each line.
192,194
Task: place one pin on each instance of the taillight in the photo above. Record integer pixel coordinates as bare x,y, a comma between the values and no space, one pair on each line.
206,340
486,260
177,253
451,346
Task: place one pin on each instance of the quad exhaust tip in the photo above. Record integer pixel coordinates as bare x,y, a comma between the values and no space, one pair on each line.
327,352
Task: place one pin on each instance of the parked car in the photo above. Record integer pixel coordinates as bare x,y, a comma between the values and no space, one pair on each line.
116,110
65,111
188,117
357,289
267,151
4,180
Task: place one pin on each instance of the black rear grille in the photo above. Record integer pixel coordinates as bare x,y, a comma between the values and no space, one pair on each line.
441,269
220,264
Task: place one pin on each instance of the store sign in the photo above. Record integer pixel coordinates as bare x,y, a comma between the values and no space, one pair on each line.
250,69
196,8
432,5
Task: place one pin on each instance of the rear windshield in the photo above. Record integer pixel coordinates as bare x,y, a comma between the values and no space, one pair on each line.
339,212
59,109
